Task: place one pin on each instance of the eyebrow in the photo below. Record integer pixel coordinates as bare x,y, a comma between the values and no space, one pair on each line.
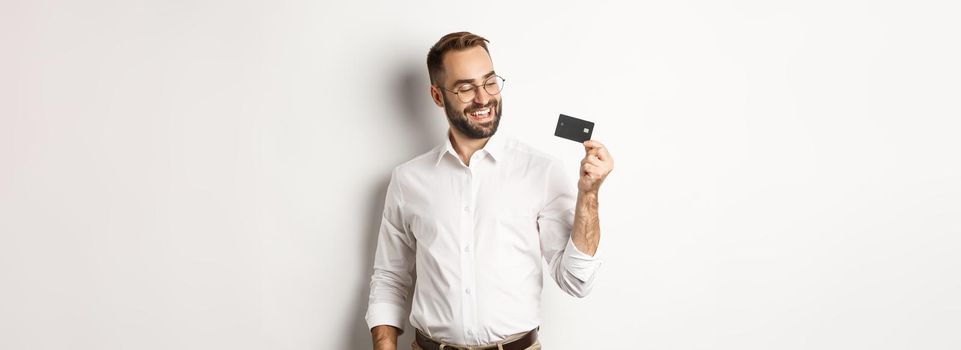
468,81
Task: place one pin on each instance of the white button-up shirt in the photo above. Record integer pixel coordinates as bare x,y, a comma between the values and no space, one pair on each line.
475,236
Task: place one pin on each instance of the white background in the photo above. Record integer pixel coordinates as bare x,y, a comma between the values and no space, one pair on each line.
210,174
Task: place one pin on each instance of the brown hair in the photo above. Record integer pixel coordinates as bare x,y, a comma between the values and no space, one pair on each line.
450,42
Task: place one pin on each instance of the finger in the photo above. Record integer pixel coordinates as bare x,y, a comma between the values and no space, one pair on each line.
592,171
598,167
603,154
595,148
592,160
593,144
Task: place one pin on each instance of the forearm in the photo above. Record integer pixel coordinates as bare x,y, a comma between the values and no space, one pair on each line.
384,337
587,227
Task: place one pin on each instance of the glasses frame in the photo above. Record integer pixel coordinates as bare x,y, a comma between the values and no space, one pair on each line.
484,86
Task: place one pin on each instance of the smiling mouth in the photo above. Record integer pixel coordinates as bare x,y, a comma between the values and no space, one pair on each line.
481,114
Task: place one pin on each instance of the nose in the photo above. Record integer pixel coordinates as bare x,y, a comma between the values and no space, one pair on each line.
481,96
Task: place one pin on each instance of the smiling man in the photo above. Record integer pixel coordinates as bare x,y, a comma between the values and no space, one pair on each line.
471,220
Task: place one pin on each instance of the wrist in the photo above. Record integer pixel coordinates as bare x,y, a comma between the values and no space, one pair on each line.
385,345
385,337
589,194
390,346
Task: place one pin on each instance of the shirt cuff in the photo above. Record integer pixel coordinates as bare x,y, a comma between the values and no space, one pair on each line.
386,314
581,265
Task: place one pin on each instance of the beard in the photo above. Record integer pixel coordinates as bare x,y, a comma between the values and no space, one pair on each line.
461,121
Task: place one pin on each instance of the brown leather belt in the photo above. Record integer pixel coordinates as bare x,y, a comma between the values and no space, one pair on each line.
519,344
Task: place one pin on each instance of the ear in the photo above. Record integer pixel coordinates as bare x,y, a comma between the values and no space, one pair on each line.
435,94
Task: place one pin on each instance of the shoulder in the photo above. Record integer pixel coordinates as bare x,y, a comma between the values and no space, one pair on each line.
417,165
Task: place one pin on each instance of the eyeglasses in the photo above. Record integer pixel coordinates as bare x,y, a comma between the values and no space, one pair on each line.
467,91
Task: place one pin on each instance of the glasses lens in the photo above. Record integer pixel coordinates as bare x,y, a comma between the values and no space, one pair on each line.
466,95
494,85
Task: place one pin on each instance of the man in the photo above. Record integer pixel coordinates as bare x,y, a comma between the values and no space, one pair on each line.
472,218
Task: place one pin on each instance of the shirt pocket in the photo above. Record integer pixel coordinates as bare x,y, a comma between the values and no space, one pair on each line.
519,220
518,240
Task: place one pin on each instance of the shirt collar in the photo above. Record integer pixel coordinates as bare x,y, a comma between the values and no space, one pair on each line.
494,147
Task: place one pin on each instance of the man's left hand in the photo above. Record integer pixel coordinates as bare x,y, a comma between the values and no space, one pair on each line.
595,166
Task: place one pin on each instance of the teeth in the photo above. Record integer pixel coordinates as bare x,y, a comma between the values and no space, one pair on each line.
481,112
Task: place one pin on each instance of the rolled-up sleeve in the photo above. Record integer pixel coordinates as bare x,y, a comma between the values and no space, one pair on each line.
572,269
393,276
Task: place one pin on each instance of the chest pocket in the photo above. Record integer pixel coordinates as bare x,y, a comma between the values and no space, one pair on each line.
515,226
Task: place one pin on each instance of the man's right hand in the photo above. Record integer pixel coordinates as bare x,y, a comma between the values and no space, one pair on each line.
385,337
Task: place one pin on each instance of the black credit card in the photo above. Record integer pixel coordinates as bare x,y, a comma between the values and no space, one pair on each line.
573,129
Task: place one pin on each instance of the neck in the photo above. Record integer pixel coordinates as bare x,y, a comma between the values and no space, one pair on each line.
465,146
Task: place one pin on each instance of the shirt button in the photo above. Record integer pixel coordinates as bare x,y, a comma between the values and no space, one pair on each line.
470,332
467,249
466,208
467,290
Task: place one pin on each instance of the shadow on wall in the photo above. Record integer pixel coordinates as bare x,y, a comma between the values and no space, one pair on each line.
411,92
421,117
